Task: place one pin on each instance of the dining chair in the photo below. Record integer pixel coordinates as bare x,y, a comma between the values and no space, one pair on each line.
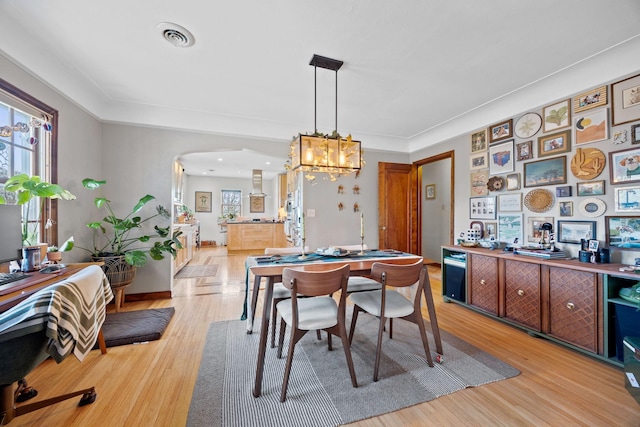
318,311
389,303
359,283
280,292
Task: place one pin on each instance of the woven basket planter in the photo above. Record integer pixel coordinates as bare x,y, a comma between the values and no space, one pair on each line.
118,271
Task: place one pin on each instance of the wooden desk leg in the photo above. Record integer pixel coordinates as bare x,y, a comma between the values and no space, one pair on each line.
118,299
102,343
264,332
254,303
428,296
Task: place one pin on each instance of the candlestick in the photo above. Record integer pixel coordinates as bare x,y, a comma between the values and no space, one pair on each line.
361,224
302,231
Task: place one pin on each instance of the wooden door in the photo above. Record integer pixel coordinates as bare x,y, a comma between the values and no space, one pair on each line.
394,206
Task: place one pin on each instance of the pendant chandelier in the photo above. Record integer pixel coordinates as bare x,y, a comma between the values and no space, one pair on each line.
321,153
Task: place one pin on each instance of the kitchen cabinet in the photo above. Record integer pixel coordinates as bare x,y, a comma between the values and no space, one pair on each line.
255,236
188,240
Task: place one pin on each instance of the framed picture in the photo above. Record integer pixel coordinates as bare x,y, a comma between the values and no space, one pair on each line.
556,116
592,126
593,245
546,172
510,202
566,208
575,231
477,225
501,131
478,161
528,125
591,99
623,232
620,136
624,166
510,228
590,188
513,181
203,201
256,204
501,158
627,199
490,230
482,208
479,141
635,134
534,227
550,145
524,150
479,182
430,191
564,191
625,101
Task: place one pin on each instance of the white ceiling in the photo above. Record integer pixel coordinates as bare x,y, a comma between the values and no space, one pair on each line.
412,68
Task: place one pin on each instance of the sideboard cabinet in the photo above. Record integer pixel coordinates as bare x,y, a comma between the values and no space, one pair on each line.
572,303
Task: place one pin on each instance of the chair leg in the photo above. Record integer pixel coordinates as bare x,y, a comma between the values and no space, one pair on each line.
390,329
287,369
378,349
435,329
423,334
274,319
346,344
283,327
354,319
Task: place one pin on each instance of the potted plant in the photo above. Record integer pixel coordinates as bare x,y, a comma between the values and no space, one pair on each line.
54,253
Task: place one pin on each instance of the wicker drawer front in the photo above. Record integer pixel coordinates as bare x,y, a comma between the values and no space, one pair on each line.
572,307
522,293
484,283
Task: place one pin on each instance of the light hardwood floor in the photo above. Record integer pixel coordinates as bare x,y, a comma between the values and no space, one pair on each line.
152,384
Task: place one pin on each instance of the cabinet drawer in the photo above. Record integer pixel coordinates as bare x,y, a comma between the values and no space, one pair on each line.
483,284
572,307
522,293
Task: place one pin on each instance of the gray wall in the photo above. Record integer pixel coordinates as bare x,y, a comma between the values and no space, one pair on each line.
436,212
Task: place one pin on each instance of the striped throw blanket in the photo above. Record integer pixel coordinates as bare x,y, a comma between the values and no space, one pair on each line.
73,311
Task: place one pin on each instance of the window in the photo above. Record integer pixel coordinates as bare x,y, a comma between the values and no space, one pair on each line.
231,203
28,144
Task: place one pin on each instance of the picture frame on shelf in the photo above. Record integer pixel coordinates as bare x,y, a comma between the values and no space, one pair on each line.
575,231
565,208
501,158
624,166
510,228
491,230
556,143
590,99
482,207
635,134
564,191
430,191
513,181
528,125
478,181
592,126
625,101
501,131
627,199
478,161
534,225
479,226
510,202
479,141
203,201
550,171
556,116
590,188
524,150
622,232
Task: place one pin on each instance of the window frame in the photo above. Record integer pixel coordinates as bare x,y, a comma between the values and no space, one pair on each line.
222,204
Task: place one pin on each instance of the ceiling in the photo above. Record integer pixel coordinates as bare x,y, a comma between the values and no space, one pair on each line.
413,70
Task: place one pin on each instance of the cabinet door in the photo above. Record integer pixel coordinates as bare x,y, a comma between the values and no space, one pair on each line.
572,307
483,283
522,293
234,238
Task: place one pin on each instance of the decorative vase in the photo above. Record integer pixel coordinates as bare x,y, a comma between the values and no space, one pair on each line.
120,274
54,257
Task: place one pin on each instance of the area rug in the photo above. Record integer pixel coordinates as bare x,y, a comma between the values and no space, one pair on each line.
320,391
190,271
128,327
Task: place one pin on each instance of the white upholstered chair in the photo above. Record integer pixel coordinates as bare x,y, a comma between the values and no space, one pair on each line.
359,283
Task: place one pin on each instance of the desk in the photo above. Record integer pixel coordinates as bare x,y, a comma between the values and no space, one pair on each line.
360,266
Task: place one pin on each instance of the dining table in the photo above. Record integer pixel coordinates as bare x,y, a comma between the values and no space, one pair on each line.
270,268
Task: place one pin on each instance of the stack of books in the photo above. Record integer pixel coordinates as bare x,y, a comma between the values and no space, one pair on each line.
540,253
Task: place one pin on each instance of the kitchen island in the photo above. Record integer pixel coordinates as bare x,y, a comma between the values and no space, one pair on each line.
255,236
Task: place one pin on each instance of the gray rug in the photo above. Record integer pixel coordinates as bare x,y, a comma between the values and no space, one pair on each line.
320,391
128,327
189,271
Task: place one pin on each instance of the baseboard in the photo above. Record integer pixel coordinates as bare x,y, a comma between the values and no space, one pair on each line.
147,296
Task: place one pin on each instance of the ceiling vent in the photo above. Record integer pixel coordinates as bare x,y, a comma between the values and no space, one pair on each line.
176,34
257,183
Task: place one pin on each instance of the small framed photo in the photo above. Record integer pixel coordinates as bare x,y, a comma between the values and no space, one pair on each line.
623,232
635,134
524,150
564,191
479,141
510,228
513,181
482,207
625,101
591,99
501,158
534,227
590,188
592,126
491,230
556,116
545,172
627,199
566,208
478,161
479,180
203,201
501,131
510,202
550,145
430,191
593,245
624,166
575,231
